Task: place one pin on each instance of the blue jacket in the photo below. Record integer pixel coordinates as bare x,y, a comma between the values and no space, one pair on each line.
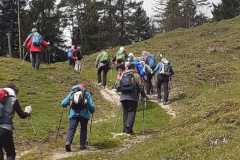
83,113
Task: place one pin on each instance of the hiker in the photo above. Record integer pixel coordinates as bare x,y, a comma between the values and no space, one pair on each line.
77,54
102,65
164,73
69,53
9,104
81,107
130,89
119,59
150,64
34,43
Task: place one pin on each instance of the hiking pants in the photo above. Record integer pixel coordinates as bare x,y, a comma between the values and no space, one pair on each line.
77,66
73,123
7,144
102,75
129,114
163,81
35,58
148,83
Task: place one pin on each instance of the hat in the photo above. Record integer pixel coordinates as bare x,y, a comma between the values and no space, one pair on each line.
121,49
131,55
34,29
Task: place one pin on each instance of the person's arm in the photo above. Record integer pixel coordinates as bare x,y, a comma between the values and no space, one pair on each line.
45,43
90,103
27,40
19,110
171,71
156,68
66,101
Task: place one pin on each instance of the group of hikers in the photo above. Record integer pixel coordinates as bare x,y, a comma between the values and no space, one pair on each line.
133,82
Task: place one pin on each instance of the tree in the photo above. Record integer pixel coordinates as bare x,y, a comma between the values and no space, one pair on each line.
139,28
227,9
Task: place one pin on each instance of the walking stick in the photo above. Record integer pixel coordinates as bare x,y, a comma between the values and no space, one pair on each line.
90,130
31,124
60,121
143,118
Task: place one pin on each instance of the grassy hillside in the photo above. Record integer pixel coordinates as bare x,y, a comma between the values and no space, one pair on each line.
206,96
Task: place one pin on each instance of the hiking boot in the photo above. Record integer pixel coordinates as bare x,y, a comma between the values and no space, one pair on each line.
83,147
68,148
165,103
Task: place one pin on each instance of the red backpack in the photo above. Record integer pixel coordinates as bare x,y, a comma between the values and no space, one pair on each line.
3,95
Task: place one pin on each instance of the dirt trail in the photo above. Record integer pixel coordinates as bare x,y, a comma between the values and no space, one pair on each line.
113,97
128,142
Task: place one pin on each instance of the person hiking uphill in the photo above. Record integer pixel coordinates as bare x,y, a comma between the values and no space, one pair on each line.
69,53
9,104
102,65
119,59
130,89
150,64
34,43
164,73
81,107
77,54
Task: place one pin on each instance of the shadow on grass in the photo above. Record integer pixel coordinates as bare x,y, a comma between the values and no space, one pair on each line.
149,106
106,144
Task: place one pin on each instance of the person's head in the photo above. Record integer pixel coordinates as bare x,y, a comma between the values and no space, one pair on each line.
121,49
82,85
34,30
13,87
144,53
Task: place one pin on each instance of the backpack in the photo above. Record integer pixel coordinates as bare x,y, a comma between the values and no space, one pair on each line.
151,61
36,39
127,83
79,100
120,56
104,57
165,70
69,53
3,95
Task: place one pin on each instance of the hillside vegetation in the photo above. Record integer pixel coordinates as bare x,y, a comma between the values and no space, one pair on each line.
205,94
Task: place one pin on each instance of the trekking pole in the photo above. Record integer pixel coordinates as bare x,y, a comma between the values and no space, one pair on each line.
90,130
59,125
31,124
143,118
117,118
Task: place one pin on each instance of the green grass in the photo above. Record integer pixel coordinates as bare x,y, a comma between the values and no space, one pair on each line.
206,97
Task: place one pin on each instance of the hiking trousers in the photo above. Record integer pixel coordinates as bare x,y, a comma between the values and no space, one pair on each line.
102,74
35,58
7,144
148,83
129,114
163,82
73,123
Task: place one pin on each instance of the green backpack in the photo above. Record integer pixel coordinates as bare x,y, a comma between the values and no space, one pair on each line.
104,57
120,56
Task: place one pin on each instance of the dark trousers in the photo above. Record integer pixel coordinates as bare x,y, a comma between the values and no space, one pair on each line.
163,81
129,114
148,83
35,58
102,75
7,144
73,123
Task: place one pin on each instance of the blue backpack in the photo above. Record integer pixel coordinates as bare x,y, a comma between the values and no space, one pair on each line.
36,39
151,61
69,53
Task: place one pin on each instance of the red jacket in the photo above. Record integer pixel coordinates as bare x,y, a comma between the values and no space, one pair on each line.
31,48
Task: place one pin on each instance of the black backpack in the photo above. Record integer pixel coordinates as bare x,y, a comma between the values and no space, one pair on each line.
127,83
